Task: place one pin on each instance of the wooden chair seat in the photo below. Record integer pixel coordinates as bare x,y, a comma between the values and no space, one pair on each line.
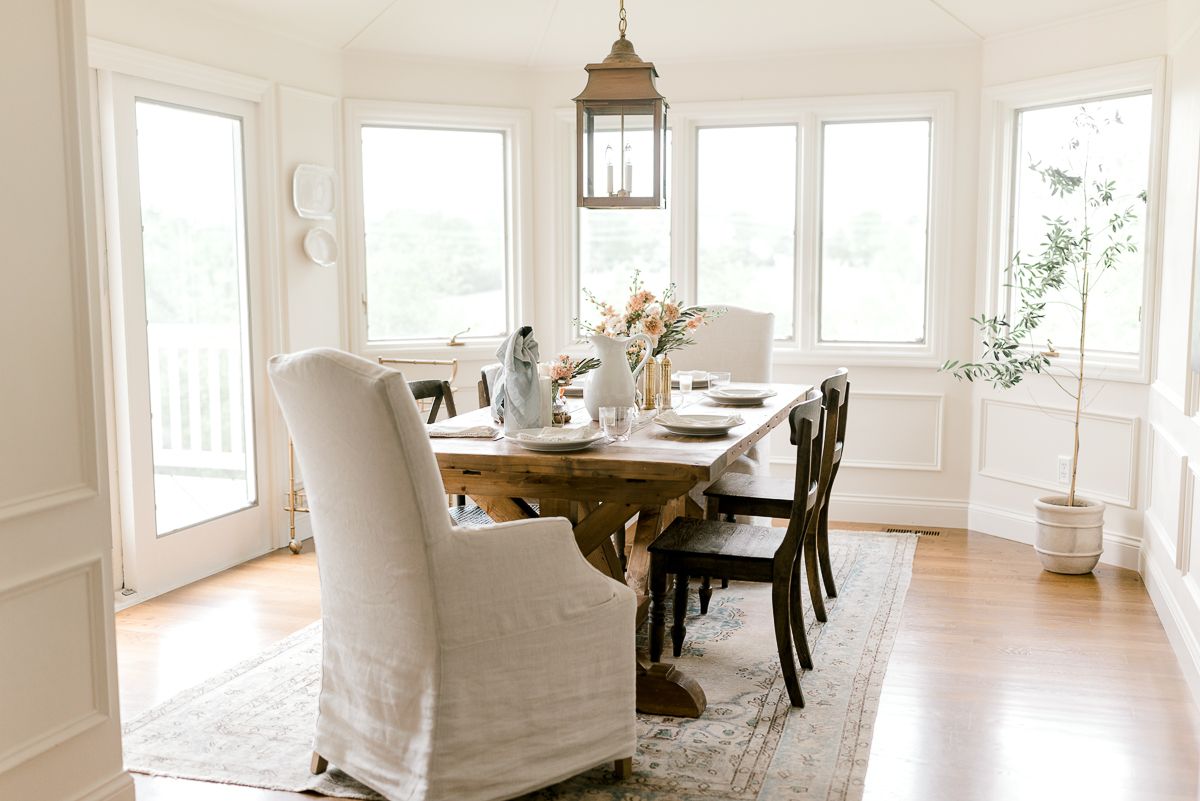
753,496
745,553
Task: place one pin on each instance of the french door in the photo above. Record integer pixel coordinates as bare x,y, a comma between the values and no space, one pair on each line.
184,258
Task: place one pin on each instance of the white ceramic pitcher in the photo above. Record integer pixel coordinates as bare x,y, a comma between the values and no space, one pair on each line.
611,384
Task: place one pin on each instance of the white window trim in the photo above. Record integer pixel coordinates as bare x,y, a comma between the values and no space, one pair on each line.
1000,105
515,124
808,114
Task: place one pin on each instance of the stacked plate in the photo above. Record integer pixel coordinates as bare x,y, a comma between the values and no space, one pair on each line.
739,396
556,440
698,425
700,378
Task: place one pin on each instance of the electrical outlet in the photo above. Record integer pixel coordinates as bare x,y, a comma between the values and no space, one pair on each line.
1064,470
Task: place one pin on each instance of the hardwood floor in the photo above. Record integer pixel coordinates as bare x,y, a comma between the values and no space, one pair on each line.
1006,682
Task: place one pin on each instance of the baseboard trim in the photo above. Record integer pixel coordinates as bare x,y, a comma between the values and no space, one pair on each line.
118,788
936,512
1184,639
1121,550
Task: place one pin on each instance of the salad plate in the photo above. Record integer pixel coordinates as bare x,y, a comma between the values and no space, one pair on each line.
556,440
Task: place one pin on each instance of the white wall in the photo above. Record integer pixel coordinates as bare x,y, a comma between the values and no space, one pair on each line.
60,734
1171,547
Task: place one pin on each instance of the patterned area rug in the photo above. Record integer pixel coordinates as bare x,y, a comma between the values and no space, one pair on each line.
252,724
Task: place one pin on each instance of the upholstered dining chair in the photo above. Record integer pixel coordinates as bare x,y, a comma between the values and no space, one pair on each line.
765,495
464,664
735,340
692,547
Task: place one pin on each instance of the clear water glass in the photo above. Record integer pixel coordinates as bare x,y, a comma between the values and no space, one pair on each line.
617,421
685,386
718,380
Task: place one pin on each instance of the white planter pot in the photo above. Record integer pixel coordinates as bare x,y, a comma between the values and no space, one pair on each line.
1070,539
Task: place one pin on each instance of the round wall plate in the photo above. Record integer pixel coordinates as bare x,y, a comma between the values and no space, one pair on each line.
321,247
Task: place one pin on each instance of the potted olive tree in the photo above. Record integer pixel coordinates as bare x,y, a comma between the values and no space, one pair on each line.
1076,252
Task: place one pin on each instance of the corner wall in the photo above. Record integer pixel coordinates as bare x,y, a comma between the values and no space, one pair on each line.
1171,546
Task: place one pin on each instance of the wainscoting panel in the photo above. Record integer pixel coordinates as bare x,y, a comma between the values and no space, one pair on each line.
1022,443
53,661
1167,494
895,431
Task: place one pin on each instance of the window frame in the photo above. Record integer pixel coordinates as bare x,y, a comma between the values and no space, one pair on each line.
514,124
809,116
1001,107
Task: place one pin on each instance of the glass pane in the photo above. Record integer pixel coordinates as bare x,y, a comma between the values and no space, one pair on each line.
613,243
194,254
874,231
434,214
623,158
746,220
1116,149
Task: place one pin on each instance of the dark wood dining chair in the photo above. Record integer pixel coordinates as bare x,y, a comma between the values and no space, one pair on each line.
437,391
736,494
692,547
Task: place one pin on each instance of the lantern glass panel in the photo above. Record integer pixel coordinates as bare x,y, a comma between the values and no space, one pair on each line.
619,152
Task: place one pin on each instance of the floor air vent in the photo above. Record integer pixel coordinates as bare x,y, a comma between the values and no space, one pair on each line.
924,532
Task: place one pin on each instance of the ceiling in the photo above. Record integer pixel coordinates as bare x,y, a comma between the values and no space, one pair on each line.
557,33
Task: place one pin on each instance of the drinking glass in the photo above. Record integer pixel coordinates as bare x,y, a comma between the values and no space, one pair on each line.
718,380
617,421
685,386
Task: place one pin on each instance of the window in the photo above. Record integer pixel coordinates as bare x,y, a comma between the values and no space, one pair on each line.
1103,139
829,212
746,219
435,231
613,243
874,231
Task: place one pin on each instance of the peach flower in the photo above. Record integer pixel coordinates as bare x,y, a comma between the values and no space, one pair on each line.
695,322
653,325
670,312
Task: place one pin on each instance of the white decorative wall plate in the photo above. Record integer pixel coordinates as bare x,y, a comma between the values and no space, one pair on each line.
321,247
314,192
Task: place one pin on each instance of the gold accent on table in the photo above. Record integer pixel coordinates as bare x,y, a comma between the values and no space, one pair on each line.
650,384
664,378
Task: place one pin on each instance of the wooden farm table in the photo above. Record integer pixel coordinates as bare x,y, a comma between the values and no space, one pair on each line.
655,474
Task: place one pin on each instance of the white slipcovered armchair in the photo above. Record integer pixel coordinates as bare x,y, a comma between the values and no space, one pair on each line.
458,663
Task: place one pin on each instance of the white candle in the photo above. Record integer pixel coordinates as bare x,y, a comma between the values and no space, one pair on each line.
610,177
629,177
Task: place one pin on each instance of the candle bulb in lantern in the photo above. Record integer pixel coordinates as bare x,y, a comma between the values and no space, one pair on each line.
609,164
628,183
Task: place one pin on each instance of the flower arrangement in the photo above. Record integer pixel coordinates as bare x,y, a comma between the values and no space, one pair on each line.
564,370
645,313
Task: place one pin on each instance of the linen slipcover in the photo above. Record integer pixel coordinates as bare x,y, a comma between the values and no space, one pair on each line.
457,663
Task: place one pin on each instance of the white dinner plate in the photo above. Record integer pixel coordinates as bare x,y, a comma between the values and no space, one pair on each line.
698,425
739,396
535,439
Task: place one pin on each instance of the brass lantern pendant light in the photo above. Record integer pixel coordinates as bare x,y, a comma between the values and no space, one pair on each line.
621,129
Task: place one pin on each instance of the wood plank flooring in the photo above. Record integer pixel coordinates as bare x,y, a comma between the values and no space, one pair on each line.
1006,682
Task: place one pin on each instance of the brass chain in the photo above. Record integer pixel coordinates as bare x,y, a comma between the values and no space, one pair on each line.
622,24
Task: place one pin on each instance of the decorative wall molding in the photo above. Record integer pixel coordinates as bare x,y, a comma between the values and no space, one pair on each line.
1187,519
935,400
1177,601
44,501
938,512
118,788
105,55
47,732
1127,499
1170,531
